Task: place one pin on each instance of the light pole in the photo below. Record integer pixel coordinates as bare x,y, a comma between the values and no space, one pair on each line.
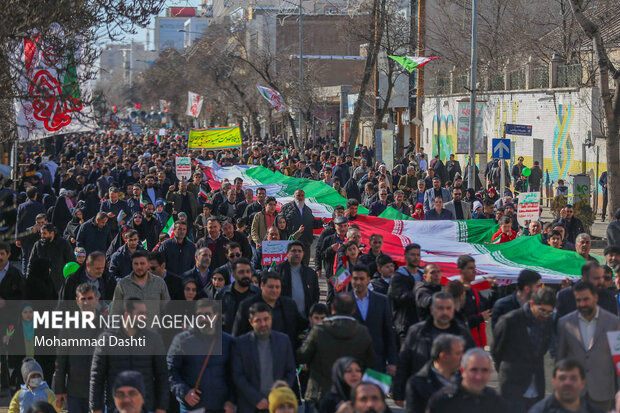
301,72
472,99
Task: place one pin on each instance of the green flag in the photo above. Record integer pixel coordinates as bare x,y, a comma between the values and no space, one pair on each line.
380,379
410,63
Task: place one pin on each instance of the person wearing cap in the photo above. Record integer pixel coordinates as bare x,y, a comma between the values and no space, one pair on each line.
528,283
128,392
34,390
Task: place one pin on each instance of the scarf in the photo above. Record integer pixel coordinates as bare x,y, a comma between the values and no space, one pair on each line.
28,326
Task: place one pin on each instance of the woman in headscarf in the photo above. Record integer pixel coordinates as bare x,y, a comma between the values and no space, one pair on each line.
73,226
470,196
346,374
62,211
285,233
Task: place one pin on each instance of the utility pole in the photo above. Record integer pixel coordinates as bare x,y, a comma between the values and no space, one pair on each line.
472,98
420,73
301,73
438,122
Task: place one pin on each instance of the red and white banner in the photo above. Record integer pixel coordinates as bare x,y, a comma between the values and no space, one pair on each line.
194,104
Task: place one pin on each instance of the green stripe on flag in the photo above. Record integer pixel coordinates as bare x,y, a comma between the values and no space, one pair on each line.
168,226
380,379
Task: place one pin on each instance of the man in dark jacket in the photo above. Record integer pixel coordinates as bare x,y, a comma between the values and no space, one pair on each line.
520,340
54,248
185,363
149,360
299,281
373,310
284,315
593,272
440,371
259,358
297,213
342,170
401,292
120,262
535,178
340,335
94,234
26,218
11,280
416,349
370,258
179,251
93,272
72,375
157,266
424,291
472,395
528,283
380,281
573,225
183,201
215,241
232,295
569,381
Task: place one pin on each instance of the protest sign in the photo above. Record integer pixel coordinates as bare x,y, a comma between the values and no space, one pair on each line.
162,132
274,251
183,168
529,207
215,138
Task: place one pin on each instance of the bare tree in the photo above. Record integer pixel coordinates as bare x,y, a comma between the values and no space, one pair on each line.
611,100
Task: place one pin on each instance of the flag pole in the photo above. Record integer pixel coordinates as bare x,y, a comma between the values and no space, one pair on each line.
472,98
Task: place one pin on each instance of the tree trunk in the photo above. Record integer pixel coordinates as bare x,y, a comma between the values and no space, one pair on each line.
611,104
369,67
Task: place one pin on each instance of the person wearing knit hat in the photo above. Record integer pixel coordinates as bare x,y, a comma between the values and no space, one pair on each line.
282,399
34,390
128,392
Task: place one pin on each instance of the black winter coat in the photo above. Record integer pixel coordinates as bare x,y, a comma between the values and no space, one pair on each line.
149,361
450,400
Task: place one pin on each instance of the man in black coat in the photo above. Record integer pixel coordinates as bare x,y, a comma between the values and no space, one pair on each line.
233,294
472,395
416,349
370,258
179,251
93,272
201,274
401,292
441,370
373,310
593,272
297,213
520,340
299,281
157,265
54,248
573,225
11,280
424,290
259,358
528,283
94,234
149,360
216,242
285,317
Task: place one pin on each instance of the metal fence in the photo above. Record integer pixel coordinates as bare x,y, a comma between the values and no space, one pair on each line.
517,79
540,76
496,81
569,75
460,83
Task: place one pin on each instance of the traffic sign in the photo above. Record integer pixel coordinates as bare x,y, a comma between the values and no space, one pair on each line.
501,148
523,130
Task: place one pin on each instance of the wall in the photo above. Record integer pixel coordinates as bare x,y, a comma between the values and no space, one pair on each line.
562,121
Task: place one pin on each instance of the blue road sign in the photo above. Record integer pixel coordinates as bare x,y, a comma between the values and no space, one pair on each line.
501,148
523,130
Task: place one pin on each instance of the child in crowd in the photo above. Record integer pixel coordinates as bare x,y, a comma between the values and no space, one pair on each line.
561,189
35,388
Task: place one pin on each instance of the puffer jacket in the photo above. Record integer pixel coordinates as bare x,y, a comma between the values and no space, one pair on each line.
338,336
150,361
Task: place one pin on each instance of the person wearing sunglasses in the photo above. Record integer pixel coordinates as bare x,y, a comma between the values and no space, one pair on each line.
233,252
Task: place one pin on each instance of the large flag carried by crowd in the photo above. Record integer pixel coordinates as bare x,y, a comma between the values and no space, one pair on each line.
442,242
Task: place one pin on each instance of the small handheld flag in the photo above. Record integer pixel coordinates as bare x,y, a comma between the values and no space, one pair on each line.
121,215
380,379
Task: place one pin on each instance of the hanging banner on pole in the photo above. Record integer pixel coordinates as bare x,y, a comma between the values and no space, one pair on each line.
215,139
51,87
194,104
462,133
183,167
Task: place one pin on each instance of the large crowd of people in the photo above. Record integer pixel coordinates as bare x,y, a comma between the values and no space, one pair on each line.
89,220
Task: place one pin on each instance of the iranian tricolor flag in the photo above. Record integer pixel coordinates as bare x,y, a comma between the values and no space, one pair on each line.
410,63
341,278
441,242
380,379
169,228
204,193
